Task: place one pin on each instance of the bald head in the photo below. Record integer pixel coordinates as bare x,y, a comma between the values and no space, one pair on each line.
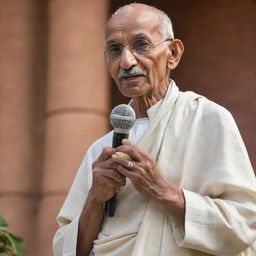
138,41
164,20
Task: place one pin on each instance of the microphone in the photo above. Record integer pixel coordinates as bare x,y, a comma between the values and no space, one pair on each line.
122,119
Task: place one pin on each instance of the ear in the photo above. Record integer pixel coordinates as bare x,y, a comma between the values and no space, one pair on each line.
176,49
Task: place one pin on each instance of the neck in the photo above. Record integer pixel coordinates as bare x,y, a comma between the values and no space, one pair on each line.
142,103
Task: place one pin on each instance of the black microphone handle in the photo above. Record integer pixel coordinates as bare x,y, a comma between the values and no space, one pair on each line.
110,205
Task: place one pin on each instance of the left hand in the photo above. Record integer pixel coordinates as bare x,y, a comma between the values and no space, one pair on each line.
144,173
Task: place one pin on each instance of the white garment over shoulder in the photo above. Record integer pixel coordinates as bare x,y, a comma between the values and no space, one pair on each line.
196,145
66,237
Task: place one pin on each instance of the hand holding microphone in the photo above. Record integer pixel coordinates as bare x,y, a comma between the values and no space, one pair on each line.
122,118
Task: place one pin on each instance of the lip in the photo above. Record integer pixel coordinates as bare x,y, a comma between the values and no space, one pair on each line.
129,78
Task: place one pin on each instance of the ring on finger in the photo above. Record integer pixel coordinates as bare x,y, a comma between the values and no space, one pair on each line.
130,164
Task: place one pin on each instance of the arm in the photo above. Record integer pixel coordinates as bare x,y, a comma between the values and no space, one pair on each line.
221,213
148,180
83,206
106,182
89,225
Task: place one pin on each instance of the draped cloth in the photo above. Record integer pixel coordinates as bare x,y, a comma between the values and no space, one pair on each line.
196,145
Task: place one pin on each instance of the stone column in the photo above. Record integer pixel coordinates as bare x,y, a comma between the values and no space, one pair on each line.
21,107
77,101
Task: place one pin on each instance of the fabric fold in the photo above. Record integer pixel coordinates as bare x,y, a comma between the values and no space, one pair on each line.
197,146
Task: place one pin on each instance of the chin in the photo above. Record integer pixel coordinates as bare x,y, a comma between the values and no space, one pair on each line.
134,90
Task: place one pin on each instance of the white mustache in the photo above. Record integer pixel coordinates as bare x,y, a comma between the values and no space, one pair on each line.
133,71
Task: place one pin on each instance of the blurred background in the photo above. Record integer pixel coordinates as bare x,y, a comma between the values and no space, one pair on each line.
55,94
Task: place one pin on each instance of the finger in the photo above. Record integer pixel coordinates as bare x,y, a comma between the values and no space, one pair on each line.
108,184
130,150
123,155
126,172
114,184
115,176
123,161
106,153
108,164
129,142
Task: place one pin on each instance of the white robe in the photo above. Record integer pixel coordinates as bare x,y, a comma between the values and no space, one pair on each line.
196,145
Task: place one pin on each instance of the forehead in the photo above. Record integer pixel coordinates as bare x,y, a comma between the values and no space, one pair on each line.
132,22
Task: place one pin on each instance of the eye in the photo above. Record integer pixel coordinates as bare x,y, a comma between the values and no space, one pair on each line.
141,45
114,49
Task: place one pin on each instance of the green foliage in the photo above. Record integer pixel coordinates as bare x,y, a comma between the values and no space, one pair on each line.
10,245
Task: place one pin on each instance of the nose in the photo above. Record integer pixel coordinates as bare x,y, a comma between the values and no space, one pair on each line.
127,59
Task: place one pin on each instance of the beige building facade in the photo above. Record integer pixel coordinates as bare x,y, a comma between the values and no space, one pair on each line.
55,94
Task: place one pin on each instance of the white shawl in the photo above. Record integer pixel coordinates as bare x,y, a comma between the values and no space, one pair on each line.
196,145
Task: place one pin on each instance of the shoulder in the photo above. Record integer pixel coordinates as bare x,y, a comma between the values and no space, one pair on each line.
198,105
213,113
196,111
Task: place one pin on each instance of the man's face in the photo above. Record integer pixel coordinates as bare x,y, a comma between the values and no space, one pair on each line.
135,71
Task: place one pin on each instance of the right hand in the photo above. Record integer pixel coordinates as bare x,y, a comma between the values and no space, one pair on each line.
106,180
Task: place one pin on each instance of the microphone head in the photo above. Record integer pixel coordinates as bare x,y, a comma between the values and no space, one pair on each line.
122,118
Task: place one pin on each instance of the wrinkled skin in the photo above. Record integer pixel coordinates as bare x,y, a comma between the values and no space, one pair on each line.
110,169
144,174
143,89
146,90
106,180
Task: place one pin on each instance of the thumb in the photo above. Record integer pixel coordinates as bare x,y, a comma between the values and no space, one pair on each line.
127,142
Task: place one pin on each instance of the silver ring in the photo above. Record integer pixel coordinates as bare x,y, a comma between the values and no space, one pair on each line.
130,164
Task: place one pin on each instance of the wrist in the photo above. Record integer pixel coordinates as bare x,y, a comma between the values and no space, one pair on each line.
172,197
93,200
92,205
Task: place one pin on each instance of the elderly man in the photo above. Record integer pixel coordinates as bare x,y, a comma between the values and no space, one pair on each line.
190,190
